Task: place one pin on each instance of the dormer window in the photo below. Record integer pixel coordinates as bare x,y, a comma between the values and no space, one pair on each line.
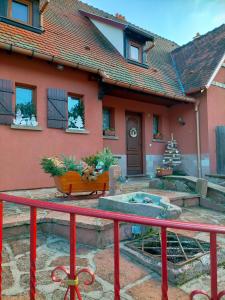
25,14
21,11
135,43
135,52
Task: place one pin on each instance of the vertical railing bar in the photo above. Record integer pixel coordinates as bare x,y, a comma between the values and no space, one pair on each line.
213,265
116,260
33,251
164,263
72,254
1,245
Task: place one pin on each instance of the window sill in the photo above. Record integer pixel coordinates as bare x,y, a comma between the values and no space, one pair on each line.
137,63
158,141
110,137
77,131
21,25
32,128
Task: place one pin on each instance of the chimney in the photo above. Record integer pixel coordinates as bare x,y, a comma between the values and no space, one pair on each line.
120,17
196,36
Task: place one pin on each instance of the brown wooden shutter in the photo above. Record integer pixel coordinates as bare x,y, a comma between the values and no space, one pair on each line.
6,109
57,108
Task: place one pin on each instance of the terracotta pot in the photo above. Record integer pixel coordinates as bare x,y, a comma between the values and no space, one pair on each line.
72,182
164,172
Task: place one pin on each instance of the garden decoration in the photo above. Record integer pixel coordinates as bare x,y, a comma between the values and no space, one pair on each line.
72,282
171,158
20,120
90,175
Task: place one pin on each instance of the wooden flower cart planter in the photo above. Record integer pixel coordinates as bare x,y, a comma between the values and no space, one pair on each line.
71,182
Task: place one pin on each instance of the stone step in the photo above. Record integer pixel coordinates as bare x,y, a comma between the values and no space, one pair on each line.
186,201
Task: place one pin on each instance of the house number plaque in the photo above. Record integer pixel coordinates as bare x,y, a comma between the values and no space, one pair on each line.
133,132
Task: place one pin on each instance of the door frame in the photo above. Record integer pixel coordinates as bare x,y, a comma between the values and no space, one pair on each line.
143,163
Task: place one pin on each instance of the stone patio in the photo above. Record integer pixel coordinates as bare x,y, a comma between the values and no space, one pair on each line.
136,281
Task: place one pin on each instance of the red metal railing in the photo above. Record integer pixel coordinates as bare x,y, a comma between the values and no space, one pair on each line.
73,284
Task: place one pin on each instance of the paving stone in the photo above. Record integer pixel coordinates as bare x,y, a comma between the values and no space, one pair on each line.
43,278
96,286
57,295
5,255
61,246
65,261
26,296
23,263
22,245
129,272
151,290
19,246
7,278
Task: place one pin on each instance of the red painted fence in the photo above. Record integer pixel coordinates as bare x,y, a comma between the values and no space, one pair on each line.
72,282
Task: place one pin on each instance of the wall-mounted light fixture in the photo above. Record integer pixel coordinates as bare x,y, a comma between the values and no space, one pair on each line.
60,67
181,121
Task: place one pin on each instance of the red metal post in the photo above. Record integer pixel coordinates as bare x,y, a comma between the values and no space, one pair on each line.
72,254
1,242
116,260
33,244
164,264
213,263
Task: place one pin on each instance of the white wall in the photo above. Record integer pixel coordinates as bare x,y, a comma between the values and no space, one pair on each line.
113,34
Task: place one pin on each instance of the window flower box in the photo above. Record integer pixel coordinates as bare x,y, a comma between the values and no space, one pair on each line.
109,132
158,136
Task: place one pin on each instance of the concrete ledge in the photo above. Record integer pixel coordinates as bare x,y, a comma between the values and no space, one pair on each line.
32,128
109,137
77,131
215,198
97,233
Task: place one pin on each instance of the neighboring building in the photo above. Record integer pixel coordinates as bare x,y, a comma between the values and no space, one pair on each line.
70,72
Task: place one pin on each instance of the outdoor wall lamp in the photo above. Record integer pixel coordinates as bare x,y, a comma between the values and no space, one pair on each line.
181,121
60,67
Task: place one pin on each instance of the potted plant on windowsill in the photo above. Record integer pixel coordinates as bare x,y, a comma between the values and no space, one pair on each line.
109,132
157,136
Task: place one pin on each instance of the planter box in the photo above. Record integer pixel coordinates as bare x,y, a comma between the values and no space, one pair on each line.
164,172
72,182
109,132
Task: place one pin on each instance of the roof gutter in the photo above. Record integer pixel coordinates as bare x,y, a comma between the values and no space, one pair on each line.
105,77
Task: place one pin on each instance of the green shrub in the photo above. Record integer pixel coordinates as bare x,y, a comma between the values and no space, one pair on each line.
105,156
59,166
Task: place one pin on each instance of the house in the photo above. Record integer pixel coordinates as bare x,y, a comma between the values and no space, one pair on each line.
70,72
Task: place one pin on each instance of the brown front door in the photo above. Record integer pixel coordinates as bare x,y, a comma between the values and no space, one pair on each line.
134,144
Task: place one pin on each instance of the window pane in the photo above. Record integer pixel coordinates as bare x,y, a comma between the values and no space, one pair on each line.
106,118
75,113
155,124
20,11
24,101
134,52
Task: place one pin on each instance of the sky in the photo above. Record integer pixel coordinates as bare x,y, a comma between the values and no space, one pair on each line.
177,20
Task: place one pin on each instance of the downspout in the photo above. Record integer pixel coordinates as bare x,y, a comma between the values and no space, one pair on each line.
199,166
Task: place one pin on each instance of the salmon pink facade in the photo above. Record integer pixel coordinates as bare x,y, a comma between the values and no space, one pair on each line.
142,100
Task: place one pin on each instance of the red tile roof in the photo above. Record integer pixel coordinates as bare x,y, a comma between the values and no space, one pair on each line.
71,37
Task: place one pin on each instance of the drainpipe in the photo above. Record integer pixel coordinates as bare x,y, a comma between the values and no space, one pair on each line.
199,167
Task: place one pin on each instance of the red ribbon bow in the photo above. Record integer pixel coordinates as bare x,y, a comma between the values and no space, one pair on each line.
70,281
